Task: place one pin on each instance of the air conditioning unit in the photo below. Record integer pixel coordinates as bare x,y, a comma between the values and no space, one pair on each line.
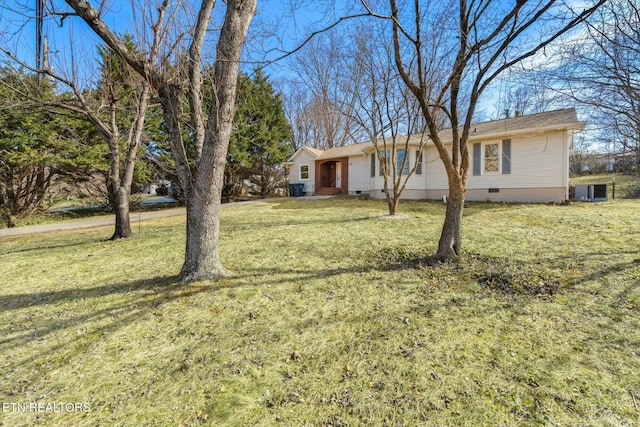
591,192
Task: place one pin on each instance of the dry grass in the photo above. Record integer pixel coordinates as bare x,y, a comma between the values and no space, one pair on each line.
333,318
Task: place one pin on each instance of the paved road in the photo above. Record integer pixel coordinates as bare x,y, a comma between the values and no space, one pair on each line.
104,221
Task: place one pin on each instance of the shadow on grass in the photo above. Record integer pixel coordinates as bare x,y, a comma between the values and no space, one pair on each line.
275,275
628,293
502,275
100,315
305,204
18,301
106,308
594,267
633,193
429,207
39,248
296,222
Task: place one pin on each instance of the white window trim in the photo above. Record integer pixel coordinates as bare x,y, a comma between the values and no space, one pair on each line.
374,157
407,165
482,166
308,172
387,157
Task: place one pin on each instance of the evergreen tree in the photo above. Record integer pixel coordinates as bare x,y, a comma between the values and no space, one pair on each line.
260,142
37,147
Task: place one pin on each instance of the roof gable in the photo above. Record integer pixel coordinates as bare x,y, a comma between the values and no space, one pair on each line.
314,152
346,151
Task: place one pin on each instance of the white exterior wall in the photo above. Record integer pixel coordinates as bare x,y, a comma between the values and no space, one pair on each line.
304,158
436,174
539,172
359,174
536,161
415,188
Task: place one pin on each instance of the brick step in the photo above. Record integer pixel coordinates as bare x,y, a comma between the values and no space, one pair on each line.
327,191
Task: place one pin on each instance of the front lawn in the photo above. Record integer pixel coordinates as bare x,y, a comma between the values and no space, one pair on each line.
333,317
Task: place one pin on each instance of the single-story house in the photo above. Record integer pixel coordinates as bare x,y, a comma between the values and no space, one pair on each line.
519,159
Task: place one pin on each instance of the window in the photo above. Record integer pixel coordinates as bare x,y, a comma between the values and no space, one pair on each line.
399,168
491,158
419,162
386,155
373,165
399,159
304,171
506,156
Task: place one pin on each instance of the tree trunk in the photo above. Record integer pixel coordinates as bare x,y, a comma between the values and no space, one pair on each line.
8,218
123,222
450,238
203,184
392,203
202,257
121,187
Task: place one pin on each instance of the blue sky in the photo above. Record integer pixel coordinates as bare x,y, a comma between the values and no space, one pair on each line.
18,34
278,23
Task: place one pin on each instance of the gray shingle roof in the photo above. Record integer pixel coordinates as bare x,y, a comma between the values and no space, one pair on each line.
551,120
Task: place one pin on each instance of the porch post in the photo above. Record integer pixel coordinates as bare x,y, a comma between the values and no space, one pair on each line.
344,168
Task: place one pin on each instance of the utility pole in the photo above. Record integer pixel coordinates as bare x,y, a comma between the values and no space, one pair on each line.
39,37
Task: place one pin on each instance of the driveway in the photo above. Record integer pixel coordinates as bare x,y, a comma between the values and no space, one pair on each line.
103,221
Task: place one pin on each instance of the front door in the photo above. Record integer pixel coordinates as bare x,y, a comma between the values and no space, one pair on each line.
332,175
328,171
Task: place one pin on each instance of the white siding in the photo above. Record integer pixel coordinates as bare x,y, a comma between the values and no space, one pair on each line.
539,165
435,172
416,182
536,161
359,171
304,158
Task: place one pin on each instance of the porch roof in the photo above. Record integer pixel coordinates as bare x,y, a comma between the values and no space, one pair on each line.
346,151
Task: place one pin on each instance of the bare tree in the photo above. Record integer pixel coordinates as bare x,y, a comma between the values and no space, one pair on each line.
584,161
116,109
296,97
120,176
601,71
199,157
525,93
465,46
118,86
326,113
385,110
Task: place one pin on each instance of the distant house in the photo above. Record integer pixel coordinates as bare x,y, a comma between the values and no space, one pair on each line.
159,188
520,159
621,161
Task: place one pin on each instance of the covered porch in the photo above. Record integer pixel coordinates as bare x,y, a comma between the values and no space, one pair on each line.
332,176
